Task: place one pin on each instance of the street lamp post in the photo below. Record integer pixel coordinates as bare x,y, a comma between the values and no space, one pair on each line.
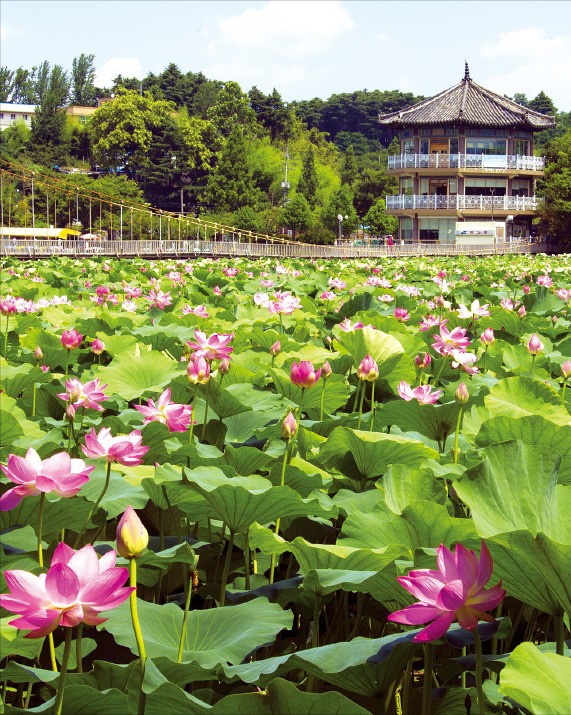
493,191
340,219
285,182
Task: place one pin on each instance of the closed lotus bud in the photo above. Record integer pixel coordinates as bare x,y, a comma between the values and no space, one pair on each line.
526,289
289,426
368,369
38,354
439,301
566,369
97,346
70,411
132,537
326,370
522,312
276,348
304,375
422,361
224,366
71,339
487,337
535,346
462,395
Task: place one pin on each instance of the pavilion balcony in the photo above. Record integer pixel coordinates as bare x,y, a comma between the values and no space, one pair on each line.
483,204
460,162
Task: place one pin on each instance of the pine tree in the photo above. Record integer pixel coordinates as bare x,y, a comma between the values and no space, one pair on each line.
230,186
307,185
349,171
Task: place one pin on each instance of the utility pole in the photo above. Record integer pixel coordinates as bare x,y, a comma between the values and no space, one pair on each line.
285,183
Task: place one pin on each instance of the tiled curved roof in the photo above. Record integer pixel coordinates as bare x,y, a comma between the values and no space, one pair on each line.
471,104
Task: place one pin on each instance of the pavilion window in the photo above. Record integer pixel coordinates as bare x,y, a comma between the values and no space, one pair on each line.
487,146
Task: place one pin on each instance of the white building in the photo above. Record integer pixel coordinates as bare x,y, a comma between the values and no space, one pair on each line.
12,113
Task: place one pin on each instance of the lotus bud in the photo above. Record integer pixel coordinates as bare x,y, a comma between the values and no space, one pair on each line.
38,354
224,366
97,346
289,426
439,301
71,339
422,361
198,370
462,395
304,375
526,289
566,369
522,312
535,346
276,348
132,537
487,337
70,411
326,370
368,369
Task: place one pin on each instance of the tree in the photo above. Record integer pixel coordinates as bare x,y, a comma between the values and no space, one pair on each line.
555,188
349,170
372,183
297,214
308,184
82,80
49,118
340,204
378,220
231,109
542,103
23,87
230,185
6,84
122,130
14,140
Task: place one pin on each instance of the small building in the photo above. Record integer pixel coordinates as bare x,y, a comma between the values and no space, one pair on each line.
466,154
82,114
11,113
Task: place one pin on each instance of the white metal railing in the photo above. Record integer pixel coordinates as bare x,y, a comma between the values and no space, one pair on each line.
192,249
462,202
467,161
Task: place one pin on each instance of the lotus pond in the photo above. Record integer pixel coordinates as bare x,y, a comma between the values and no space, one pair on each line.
286,487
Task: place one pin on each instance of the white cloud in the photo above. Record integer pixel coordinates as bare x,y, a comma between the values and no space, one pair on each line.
531,61
126,66
284,28
8,32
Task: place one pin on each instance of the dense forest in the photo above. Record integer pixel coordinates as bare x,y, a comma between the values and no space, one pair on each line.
184,143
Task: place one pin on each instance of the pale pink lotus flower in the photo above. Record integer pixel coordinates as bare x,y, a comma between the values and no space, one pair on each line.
289,426
564,294
450,340
159,299
124,449
522,311
131,293
544,280
71,339
328,295
526,289
275,349
422,361
8,305
215,347
411,291
423,393
44,368
535,346
374,281
431,321
385,298
401,314
87,395
97,346
217,290
175,416
368,369
347,326
507,303
455,592
304,375
59,474
131,536
566,369
487,337
230,272
284,304
476,310
464,361
76,588
266,283
200,311
337,283
198,370
129,306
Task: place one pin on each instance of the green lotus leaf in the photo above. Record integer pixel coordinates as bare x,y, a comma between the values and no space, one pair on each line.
522,396
15,379
434,421
403,486
537,681
213,636
119,495
335,396
535,430
14,424
368,455
117,344
515,487
63,513
382,347
134,375
13,642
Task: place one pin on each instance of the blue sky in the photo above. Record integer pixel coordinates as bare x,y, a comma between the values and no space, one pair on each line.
305,48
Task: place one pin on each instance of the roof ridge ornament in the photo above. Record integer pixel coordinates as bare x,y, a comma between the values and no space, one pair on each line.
466,70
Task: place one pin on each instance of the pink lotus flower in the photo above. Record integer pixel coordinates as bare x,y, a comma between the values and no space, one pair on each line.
454,592
347,326
199,311
423,393
544,280
450,340
80,395
77,586
401,314
368,369
59,474
8,306
71,339
198,370
215,347
159,299
563,293
476,310
131,293
535,346
126,450
327,295
464,361
216,290
422,361
304,375
97,346
131,536
487,337
176,417
284,304
566,369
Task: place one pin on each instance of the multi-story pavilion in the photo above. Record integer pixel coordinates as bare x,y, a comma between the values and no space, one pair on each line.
465,155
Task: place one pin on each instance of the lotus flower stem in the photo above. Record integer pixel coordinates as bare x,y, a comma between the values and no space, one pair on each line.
247,584
6,339
34,401
278,521
64,663
66,365
440,369
427,684
563,392
185,619
479,663
559,635
457,436
78,655
137,630
94,507
40,521
357,395
226,569
406,687
532,362
361,406
372,407
322,400
206,410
